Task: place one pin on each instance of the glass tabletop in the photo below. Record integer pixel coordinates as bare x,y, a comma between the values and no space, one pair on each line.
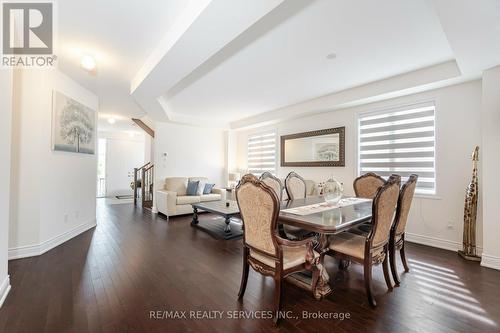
331,221
219,207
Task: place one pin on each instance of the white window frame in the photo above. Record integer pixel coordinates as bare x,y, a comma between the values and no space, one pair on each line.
395,108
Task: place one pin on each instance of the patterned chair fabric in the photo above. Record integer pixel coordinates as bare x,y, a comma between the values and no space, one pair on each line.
367,185
384,209
295,186
405,200
274,183
259,209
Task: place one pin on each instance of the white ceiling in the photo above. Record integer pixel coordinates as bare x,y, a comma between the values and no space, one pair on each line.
372,40
223,61
120,35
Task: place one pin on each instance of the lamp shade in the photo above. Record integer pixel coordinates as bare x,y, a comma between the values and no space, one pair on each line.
234,176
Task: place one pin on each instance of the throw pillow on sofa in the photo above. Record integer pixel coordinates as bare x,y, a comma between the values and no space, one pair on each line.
208,188
192,187
201,187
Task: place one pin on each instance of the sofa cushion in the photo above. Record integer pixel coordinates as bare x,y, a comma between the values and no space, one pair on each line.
208,188
176,184
187,199
201,187
192,187
210,197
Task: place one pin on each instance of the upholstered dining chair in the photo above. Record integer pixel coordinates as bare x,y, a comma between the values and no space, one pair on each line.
374,248
397,238
295,186
264,249
274,182
367,185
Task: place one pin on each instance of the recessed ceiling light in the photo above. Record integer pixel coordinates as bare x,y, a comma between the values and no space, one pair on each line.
88,63
331,56
111,120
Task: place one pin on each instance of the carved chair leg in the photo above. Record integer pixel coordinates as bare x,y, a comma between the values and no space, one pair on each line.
315,279
394,267
244,274
385,266
278,293
403,258
368,282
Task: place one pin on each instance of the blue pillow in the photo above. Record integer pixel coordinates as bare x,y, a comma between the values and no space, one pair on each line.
192,187
208,188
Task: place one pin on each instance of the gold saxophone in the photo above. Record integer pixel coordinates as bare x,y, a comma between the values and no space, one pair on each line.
470,213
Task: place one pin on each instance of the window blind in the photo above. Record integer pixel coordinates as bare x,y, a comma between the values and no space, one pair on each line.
400,141
262,153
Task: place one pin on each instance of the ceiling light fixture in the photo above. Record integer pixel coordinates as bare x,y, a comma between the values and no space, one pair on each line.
331,56
111,120
88,63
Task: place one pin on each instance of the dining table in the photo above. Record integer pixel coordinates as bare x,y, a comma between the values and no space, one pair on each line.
323,219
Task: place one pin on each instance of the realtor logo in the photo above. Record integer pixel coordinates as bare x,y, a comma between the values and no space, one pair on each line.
27,30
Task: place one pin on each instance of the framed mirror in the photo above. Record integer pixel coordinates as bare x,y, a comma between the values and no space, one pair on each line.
321,148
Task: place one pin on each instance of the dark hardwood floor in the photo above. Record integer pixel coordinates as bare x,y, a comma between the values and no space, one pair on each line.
111,278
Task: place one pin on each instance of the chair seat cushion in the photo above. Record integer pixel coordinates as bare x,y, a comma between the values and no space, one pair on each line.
350,244
187,199
210,197
292,256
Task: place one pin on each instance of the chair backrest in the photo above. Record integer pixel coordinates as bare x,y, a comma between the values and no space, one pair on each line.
295,186
383,210
404,204
259,209
367,185
274,183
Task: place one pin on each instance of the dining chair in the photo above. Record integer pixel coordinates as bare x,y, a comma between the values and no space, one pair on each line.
264,250
275,183
295,186
374,248
367,185
397,236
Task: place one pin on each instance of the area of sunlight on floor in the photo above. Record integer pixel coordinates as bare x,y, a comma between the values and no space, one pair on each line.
442,287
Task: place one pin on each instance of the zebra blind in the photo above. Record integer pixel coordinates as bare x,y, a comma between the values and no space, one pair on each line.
400,141
262,153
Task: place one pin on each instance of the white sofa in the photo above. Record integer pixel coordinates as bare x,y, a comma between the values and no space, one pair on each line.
172,199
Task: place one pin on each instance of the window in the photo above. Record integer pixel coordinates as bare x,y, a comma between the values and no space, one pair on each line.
400,141
262,153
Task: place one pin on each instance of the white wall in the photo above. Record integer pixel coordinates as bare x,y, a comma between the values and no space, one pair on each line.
53,193
191,152
5,142
490,156
123,153
437,221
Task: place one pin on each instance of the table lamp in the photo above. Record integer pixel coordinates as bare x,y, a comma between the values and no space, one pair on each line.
234,178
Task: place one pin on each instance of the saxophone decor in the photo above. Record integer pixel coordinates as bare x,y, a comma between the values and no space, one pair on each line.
470,213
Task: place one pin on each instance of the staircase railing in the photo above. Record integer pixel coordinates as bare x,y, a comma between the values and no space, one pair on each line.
147,186
138,177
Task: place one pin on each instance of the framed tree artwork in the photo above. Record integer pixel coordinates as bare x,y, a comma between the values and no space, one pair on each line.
73,125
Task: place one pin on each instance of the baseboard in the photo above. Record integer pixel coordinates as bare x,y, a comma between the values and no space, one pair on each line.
490,261
436,242
38,249
4,290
